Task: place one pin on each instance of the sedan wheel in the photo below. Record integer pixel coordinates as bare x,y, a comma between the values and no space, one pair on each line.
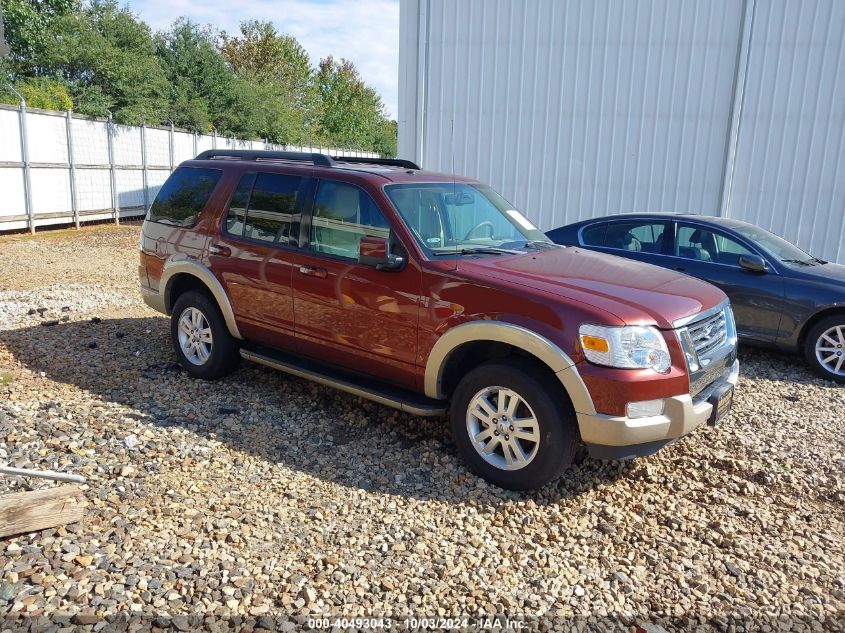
824,348
830,350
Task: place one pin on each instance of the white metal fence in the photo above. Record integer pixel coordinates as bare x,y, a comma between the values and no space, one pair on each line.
60,168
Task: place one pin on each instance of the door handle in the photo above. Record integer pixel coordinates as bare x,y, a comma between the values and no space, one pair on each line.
680,269
311,271
220,251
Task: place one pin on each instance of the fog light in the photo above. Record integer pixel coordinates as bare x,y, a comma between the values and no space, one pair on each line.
645,408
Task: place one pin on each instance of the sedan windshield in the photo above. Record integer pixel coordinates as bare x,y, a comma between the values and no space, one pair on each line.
459,219
776,246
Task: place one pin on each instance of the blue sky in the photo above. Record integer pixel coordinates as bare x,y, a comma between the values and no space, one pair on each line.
364,31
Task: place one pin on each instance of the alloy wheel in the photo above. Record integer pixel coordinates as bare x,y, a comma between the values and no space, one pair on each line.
830,350
194,336
502,428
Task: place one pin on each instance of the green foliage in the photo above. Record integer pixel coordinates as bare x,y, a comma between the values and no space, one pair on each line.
28,26
39,92
350,112
100,58
108,57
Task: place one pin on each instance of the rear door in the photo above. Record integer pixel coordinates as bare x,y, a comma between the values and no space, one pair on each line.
640,239
712,255
254,255
349,314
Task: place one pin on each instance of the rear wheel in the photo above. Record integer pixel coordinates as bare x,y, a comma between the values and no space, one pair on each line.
200,337
513,425
825,348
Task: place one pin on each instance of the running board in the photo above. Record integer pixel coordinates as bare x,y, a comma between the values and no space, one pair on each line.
388,395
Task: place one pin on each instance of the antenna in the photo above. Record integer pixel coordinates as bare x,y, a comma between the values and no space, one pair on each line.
454,187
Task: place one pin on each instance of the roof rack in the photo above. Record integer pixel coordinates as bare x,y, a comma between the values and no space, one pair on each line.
314,158
247,154
390,162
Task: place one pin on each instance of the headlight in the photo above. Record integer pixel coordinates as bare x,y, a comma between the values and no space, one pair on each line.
627,347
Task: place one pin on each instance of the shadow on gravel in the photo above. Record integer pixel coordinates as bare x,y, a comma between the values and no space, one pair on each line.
285,420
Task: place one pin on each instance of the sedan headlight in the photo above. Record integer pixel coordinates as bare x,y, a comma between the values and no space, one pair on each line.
626,347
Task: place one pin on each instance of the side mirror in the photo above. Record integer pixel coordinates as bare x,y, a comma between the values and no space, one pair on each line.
374,251
754,263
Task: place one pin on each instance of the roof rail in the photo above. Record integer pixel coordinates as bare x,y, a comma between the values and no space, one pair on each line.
391,162
249,154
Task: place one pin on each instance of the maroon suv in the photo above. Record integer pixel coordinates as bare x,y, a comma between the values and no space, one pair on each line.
428,292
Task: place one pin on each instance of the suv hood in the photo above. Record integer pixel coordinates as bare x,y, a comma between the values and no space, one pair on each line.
634,292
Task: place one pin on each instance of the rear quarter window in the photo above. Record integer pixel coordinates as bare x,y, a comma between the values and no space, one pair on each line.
184,195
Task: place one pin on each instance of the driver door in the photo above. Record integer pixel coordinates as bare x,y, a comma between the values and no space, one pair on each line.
349,314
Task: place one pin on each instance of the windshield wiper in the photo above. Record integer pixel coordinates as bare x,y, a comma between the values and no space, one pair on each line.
481,250
805,262
540,244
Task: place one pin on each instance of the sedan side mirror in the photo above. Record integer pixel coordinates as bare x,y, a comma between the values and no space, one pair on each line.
754,263
375,252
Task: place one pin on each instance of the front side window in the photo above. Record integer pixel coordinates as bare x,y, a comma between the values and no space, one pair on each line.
263,207
447,218
343,214
184,195
704,245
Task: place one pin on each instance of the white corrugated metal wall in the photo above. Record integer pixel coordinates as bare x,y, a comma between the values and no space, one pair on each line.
579,108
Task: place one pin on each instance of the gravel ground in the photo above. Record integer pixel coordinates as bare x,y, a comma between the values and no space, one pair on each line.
262,499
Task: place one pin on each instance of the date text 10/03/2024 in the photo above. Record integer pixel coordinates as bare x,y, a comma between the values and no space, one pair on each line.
492,623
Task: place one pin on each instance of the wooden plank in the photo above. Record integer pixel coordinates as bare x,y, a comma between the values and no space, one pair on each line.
35,510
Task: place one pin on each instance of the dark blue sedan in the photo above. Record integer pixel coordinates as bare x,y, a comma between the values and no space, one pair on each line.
781,296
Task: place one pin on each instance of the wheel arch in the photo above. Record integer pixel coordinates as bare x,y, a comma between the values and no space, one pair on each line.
180,275
815,319
485,340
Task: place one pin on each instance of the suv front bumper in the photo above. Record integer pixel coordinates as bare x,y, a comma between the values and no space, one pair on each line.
621,437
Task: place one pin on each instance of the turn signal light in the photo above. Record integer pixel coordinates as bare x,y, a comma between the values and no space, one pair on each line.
594,343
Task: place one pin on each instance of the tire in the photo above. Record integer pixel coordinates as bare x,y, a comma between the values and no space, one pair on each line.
220,356
542,397
826,342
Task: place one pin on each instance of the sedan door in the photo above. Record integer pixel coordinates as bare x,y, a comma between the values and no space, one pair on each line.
712,255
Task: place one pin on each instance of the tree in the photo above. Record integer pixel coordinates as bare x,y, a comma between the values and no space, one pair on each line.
351,112
107,57
275,73
39,92
202,86
28,27
261,52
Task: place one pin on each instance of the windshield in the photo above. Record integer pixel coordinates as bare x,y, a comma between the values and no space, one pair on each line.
775,245
462,219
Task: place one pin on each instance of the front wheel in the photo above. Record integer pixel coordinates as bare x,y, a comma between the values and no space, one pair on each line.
824,348
513,424
200,337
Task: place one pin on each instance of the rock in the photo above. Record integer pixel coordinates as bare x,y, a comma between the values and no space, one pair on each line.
259,499
84,619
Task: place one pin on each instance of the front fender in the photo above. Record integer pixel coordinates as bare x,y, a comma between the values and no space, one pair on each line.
496,331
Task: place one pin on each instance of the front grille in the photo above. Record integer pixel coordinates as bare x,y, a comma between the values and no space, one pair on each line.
709,333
